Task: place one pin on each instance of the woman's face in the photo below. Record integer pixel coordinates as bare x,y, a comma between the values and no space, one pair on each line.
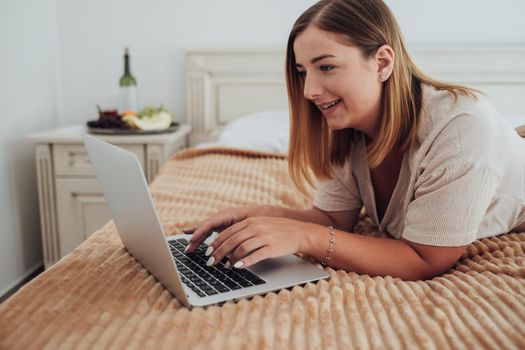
339,81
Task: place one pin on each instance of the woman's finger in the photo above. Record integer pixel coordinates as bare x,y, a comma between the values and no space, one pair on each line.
199,235
226,241
227,232
207,227
258,255
246,248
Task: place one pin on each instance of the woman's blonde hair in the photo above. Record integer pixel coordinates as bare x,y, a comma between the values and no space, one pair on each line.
314,148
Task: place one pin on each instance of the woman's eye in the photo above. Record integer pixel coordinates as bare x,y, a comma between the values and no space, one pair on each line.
301,74
326,68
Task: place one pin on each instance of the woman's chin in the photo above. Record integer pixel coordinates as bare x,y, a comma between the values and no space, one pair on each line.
335,124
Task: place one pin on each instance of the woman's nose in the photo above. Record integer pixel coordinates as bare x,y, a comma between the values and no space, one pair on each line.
312,88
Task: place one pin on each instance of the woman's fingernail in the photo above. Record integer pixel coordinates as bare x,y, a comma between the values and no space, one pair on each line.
227,264
238,264
210,261
209,251
186,249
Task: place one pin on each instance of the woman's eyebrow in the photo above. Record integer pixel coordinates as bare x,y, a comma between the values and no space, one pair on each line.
315,59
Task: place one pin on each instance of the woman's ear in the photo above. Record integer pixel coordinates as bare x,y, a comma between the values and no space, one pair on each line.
384,58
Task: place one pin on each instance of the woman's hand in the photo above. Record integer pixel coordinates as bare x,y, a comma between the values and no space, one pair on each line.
222,220
257,238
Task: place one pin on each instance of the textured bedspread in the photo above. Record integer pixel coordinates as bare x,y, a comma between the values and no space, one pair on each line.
99,296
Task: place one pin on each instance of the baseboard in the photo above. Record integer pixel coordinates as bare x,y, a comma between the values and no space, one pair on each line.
16,285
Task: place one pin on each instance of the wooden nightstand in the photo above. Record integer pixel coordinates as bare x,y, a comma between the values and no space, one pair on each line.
71,203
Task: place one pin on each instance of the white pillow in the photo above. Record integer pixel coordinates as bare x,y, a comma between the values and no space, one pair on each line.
262,131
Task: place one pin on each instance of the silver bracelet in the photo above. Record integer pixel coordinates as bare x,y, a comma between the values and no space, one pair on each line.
330,247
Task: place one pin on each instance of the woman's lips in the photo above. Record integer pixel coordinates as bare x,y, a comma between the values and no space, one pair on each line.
331,108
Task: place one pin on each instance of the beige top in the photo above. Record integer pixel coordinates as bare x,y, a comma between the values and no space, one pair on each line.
462,180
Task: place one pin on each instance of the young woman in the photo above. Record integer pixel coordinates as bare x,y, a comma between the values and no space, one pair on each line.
432,163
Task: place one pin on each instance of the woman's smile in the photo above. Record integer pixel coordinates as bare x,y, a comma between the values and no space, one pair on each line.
328,109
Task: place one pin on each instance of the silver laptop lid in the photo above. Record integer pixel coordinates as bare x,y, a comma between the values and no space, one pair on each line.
131,205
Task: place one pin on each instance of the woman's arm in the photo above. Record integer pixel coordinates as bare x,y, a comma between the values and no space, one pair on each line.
380,256
223,219
343,220
257,235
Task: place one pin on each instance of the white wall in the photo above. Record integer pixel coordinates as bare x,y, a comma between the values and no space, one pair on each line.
461,21
28,102
86,39
93,33
157,33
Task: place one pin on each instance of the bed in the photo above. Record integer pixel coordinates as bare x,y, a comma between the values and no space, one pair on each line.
98,296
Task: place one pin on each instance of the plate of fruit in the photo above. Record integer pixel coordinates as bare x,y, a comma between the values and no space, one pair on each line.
150,120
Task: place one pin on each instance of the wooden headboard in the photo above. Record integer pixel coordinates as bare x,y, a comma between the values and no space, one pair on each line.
224,85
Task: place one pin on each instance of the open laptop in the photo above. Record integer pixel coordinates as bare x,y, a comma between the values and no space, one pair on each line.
186,276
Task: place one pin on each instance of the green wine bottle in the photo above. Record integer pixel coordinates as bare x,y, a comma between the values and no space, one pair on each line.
128,94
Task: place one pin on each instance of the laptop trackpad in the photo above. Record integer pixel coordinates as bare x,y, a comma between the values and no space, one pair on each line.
287,270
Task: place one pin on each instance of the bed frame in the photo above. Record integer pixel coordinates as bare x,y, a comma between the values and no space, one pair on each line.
223,85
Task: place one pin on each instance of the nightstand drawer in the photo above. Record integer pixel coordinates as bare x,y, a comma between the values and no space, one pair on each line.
74,159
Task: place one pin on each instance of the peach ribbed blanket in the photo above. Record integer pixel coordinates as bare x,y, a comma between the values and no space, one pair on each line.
99,296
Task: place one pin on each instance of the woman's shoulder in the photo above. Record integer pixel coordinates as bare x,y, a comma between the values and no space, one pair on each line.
442,111
464,129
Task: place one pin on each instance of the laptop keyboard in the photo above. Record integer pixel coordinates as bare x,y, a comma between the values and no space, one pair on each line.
209,280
